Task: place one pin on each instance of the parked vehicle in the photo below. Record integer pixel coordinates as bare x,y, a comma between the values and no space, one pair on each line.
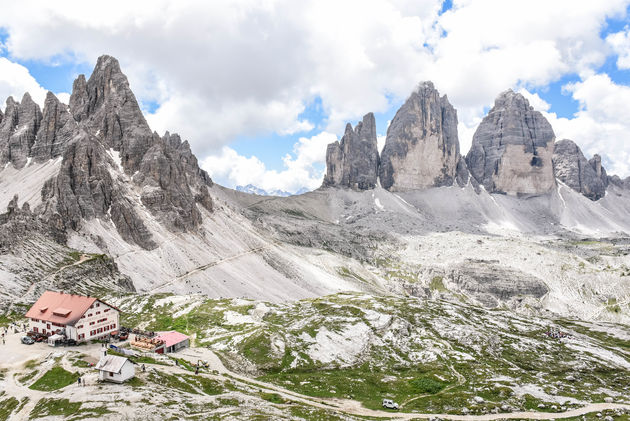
27,340
71,342
389,404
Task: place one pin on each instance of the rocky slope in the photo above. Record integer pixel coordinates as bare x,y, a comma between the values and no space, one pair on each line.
353,162
512,149
422,147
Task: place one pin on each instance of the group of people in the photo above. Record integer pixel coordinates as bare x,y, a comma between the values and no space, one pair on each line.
556,333
14,327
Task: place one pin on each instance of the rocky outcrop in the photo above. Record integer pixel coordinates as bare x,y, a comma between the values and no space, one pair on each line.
623,183
18,130
512,149
84,189
57,128
596,163
572,168
353,162
108,110
164,168
422,147
492,284
19,224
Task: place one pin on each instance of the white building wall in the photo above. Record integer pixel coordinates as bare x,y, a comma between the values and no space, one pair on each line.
93,315
126,372
83,326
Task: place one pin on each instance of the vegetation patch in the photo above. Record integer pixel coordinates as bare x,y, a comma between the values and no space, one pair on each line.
54,379
428,385
437,284
7,406
47,407
27,377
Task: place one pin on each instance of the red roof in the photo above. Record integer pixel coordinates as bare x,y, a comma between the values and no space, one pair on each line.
57,307
171,338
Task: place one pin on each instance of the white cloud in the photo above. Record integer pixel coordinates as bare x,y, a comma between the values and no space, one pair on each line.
304,168
620,43
602,124
15,80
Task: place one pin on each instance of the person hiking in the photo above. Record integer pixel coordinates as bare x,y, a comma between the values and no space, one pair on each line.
79,381
143,368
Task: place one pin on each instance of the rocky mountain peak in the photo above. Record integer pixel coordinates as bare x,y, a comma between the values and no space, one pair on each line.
353,161
422,146
512,148
18,130
110,111
57,128
572,168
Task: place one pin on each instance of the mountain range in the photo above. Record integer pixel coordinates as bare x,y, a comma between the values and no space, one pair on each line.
521,220
251,189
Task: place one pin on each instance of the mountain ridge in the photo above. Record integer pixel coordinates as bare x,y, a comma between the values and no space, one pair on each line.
106,185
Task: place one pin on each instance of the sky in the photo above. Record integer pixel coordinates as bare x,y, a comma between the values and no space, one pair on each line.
259,88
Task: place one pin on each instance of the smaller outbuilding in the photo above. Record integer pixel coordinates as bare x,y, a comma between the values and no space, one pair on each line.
112,368
173,341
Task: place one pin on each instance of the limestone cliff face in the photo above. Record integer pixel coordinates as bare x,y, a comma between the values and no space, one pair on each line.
164,168
18,129
572,168
422,147
56,130
99,135
512,149
353,162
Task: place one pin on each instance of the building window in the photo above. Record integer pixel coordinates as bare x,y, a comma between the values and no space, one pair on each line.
111,374
106,310
35,330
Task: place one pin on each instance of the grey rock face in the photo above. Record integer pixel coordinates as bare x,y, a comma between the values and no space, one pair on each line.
57,128
572,168
18,130
491,283
84,189
623,183
422,147
169,174
596,164
512,149
109,111
353,162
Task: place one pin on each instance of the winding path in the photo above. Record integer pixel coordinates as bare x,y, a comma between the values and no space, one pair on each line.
347,406
353,407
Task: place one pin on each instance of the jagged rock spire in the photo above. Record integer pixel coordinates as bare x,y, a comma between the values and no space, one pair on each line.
512,148
572,168
422,146
353,162
57,128
18,130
